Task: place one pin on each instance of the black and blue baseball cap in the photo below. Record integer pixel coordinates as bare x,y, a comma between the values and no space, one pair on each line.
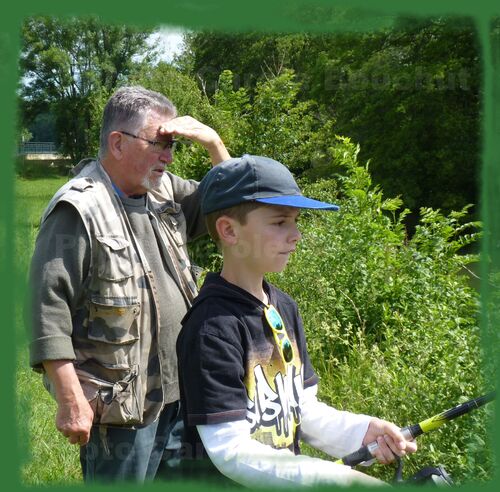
253,178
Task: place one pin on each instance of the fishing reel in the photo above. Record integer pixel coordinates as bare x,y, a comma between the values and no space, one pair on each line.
429,475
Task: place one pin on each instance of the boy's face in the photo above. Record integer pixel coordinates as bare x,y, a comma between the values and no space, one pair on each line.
267,238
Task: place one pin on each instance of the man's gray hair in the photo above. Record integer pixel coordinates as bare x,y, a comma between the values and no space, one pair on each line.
128,109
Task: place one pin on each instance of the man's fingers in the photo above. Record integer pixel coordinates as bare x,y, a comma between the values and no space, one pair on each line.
80,439
179,124
189,127
83,440
74,439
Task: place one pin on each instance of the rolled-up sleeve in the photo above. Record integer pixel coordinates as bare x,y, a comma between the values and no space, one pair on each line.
186,194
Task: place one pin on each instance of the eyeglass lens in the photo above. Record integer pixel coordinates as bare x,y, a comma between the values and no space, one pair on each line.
287,350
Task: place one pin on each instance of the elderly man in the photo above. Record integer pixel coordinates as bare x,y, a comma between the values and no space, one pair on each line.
111,280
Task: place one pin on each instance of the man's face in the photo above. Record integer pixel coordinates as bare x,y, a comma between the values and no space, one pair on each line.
144,165
268,237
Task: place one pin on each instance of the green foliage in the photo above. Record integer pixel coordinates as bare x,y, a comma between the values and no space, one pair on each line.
25,135
281,125
234,114
43,128
276,124
96,102
394,83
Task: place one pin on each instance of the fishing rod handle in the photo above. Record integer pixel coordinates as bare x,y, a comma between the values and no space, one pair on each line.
407,434
367,453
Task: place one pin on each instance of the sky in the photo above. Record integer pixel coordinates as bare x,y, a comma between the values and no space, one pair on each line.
168,40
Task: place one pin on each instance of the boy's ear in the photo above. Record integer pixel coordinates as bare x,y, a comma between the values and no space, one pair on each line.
226,230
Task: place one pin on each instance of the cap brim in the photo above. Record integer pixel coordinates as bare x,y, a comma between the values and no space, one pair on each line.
298,201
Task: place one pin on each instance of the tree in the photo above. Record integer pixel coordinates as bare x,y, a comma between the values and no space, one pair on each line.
408,94
67,65
411,98
251,57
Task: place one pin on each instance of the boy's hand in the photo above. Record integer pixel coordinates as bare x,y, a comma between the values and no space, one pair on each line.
389,439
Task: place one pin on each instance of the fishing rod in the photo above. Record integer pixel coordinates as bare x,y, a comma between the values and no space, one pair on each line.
366,453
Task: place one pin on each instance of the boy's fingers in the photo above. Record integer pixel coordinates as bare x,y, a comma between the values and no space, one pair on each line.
388,449
411,446
398,447
383,453
397,441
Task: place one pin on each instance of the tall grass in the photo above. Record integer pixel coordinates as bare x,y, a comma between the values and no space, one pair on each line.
47,456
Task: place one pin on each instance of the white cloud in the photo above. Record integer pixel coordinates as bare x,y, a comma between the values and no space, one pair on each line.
168,41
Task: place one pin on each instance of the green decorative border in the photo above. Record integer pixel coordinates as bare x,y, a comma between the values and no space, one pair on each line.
233,15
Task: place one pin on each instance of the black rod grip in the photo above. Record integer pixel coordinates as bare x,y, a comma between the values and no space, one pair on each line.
353,459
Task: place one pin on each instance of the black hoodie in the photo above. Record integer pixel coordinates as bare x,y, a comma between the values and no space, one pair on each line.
230,367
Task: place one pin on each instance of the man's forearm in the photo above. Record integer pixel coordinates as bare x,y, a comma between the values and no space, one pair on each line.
218,152
63,376
74,414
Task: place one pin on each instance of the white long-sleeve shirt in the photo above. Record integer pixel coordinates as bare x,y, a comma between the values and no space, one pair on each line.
253,464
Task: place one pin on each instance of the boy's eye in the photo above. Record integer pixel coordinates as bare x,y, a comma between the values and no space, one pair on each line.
286,221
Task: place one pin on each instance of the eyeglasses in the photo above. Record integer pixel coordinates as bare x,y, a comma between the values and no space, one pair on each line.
158,145
277,326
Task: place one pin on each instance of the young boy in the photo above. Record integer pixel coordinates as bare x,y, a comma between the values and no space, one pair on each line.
248,390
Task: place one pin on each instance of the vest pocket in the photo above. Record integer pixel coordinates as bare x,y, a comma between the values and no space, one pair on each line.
113,258
115,403
113,324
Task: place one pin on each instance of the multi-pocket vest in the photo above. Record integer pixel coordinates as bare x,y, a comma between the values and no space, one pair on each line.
121,301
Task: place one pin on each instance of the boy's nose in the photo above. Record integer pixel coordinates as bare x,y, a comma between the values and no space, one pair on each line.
296,235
